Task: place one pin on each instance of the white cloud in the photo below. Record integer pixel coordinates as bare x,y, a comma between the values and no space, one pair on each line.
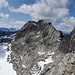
68,24
4,25
48,10
18,23
4,16
3,3
9,26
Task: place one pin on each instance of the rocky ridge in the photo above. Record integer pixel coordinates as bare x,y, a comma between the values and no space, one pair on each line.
40,49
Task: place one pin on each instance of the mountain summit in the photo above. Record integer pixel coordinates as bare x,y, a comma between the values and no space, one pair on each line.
40,49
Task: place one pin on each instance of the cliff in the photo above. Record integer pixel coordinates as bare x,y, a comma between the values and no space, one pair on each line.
40,49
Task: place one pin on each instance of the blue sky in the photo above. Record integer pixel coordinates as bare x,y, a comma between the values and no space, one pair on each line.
15,13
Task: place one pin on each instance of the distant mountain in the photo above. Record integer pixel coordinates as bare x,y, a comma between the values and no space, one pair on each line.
2,33
8,29
6,34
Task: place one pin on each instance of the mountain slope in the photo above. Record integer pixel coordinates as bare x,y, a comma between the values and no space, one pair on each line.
6,34
8,29
39,49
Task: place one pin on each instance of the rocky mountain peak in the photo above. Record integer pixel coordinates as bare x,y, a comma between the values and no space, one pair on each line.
35,27
39,49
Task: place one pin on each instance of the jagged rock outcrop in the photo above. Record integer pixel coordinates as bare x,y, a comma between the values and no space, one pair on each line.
65,67
68,42
40,49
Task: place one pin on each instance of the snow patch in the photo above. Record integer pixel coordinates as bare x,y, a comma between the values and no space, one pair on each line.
41,53
59,40
50,53
23,66
37,36
35,24
23,43
2,51
47,61
38,32
5,67
21,57
13,40
5,47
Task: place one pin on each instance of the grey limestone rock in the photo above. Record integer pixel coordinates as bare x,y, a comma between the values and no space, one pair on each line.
40,49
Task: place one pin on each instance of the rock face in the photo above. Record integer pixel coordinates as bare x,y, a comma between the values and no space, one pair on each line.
40,49
65,67
68,43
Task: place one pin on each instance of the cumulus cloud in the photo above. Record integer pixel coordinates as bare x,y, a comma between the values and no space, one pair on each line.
9,25
68,24
3,3
18,23
4,16
49,10
3,25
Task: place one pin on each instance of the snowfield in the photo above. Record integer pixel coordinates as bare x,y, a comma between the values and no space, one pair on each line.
5,67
